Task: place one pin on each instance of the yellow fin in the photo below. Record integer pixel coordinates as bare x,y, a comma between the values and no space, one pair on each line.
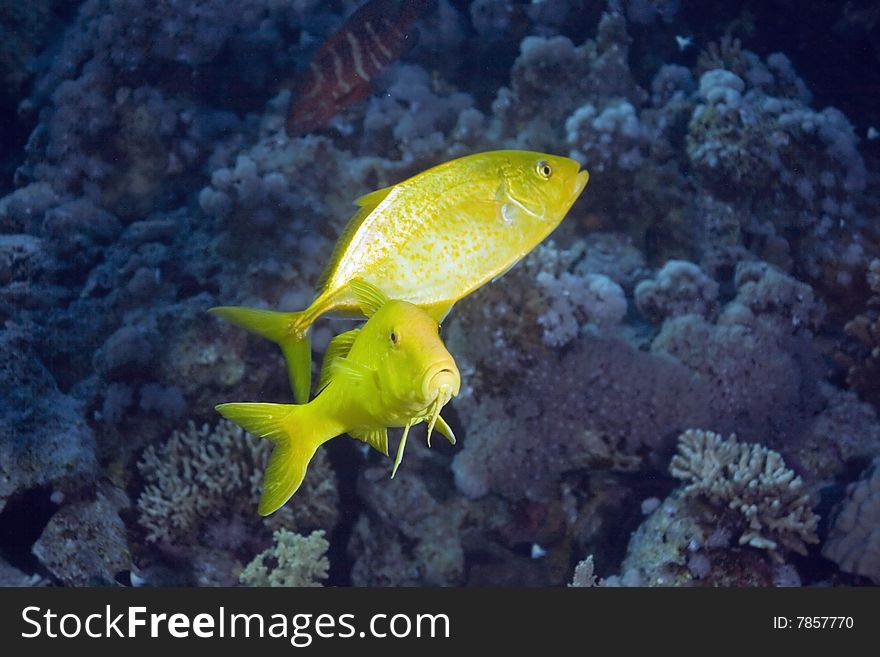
366,203
445,429
439,310
369,297
371,199
338,348
400,447
377,438
270,324
291,455
354,372
277,326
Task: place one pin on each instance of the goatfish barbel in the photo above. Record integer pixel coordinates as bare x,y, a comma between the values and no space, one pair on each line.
393,372
430,240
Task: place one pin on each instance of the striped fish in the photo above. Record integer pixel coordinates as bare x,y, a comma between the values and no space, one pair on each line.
339,75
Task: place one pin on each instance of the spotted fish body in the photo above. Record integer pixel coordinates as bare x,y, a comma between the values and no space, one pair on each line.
431,240
339,74
440,235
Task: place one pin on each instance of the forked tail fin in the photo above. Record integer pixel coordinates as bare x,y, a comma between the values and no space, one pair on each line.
296,345
295,441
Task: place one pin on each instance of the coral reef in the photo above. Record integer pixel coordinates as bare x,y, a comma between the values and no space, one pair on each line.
11,576
85,543
863,362
583,574
854,537
205,473
681,288
293,560
24,30
757,363
723,256
752,481
46,441
682,544
408,537
577,300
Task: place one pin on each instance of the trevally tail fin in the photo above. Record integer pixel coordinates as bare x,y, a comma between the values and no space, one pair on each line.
295,441
296,345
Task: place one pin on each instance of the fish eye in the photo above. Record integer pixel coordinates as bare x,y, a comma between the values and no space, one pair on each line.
544,169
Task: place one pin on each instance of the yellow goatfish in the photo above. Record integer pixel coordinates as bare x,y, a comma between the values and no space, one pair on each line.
430,240
393,372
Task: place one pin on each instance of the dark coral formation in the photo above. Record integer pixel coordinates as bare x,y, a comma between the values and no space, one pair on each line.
862,358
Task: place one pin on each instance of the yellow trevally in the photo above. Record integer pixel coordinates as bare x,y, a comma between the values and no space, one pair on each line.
430,240
394,371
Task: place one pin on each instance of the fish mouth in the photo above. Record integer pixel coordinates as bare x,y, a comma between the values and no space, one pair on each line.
441,379
441,383
577,184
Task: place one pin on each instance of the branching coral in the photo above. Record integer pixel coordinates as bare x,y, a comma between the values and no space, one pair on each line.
854,538
293,560
583,574
206,472
761,498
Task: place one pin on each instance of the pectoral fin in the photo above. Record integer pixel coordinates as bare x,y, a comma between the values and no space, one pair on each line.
338,348
348,369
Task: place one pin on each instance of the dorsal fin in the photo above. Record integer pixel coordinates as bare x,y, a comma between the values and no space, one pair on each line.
366,204
371,199
369,297
338,348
